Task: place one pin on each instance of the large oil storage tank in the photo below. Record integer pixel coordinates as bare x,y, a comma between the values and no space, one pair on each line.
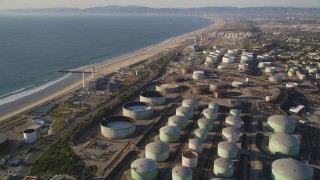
184,111
30,136
181,173
169,134
201,134
221,66
285,144
228,59
157,151
214,106
205,123
210,114
211,60
144,168
190,159
235,112
270,70
153,97
138,110
233,121
231,134
179,121
290,169
198,75
168,88
227,150
118,127
281,124
192,103
223,168
196,144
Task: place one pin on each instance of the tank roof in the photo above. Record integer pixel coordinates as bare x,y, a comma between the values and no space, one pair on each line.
157,147
170,129
200,130
292,168
208,110
227,145
285,139
233,119
184,109
189,101
27,131
182,171
152,94
205,121
235,111
178,118
231,130
281,120
134,104
213,104
224,163
108,120
198,72
144,165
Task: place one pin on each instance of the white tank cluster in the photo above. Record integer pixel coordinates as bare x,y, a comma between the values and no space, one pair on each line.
153,97
227,150
201,134
205,123
144,168
185,111
228,59
190,159
179,121
181,173
281,124
235,112
30,136
169,134
192,103
198,75
168,88
231,134
211,114
237,84
118,127
138,110
196,144
275,79
290,169
285,144
223,168
157,151
233,121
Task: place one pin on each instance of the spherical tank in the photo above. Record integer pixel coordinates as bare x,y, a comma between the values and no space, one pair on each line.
281,124
169,134
210,114
138,110
223,168
285,144
181,173
153,97
189,159
118,127
157,151
227,150
179,121
184,111
30,136
290,169
143,169
198,75
192,103
201,134
233,121
231,134
205,123
195,144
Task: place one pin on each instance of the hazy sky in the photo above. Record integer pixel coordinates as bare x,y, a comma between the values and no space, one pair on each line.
16,4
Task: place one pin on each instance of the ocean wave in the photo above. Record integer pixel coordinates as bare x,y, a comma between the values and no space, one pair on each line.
13,96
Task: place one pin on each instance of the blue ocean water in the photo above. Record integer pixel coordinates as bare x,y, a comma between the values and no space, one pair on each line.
34,47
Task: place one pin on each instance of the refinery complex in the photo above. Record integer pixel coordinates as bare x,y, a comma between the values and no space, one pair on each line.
226,105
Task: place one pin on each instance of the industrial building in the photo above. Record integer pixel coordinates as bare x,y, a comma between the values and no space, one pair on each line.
118,127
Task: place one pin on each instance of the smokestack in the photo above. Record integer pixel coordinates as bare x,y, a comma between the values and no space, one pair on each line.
83,81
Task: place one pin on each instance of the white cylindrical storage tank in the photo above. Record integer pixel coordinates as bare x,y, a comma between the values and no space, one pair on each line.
210,114
223,168
30,136
284,144
237,84
179,121
118,127
192,103
168,88
185,111
214,106
211,60
228,60
290,73
290,169
271,70
198,75
181,173
233,121
235,112
221,67
227,150
157,151
205,123
195,144
169,134
302,77
216,86
201,134
144,168
153,97
261,65
231,134
189,159
138,110
281,124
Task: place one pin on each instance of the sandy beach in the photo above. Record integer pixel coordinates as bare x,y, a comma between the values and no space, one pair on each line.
75,82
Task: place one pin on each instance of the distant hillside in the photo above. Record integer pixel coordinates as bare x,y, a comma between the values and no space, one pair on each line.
186,11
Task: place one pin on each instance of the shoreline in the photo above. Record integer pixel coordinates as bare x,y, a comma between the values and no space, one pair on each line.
103,68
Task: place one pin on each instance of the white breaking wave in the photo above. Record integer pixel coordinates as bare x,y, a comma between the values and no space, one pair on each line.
23,92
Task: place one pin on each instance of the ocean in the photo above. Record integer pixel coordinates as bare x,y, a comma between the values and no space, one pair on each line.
34,47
